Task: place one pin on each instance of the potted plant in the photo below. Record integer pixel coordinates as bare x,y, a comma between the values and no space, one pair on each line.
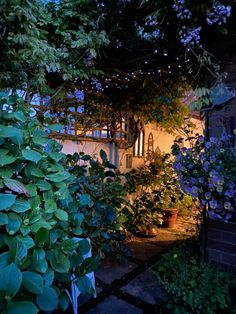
168,195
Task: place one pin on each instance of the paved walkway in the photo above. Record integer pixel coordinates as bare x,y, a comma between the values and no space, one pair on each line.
130,287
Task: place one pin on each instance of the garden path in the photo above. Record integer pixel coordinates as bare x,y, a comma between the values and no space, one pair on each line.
130,287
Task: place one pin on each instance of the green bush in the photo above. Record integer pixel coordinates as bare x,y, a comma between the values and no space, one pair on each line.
192,286
98,191
38,252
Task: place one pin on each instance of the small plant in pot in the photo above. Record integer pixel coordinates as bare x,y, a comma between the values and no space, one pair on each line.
168,196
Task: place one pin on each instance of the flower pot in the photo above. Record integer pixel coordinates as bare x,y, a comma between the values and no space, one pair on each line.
169,217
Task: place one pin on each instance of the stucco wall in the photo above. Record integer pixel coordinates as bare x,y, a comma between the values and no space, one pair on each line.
162,141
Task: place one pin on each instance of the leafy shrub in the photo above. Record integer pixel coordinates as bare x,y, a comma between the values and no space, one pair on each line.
98,191
38,253
192,286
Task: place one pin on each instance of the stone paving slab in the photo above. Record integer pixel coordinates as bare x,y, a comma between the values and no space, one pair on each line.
109,270
114,305
145,287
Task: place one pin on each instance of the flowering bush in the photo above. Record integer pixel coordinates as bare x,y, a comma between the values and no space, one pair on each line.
207,172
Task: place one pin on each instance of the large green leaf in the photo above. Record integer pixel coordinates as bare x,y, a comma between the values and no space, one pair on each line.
40,224
56,156
38,261
43,185
41,236
55,127
32,282
3,219
59,261
58,177
6,172
20,206
6,160
8,131
14,223
64,301
32,189
10,280
4,260
48,300
16,186
84,284
31,155
21,307
84,246
61,215
6,200
27,241
37,173
18,250
50,206
48,277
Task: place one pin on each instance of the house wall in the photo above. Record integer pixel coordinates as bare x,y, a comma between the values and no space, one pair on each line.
162,142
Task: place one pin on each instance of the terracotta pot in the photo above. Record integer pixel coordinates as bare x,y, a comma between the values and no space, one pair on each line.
169,217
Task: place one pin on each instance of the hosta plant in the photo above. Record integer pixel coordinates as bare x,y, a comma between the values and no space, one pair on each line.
98,190
38,249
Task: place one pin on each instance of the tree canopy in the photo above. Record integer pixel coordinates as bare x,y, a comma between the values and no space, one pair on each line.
135,56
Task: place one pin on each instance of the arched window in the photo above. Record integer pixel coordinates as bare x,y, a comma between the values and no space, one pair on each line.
150,147
139,143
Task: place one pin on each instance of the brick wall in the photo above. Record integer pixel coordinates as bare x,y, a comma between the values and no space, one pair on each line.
221,244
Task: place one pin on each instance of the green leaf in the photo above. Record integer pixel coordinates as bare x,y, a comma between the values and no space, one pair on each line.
77,231
10,280
43,185
103,155
41,236
56,156
3,219
6,172
41,224
69,246
64,301
32,282
31,155
37,173
40,140
85,200
6,200
21,307
8,131
31,188
4,260
61,215
59,262
48,300
48,277
20,206
84,284
58,177
18,250
14,223
84,246
6,160
89,264
50,206
38,261
27,241
55,127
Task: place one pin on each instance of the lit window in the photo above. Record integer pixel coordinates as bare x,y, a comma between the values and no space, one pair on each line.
139,143
150,148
